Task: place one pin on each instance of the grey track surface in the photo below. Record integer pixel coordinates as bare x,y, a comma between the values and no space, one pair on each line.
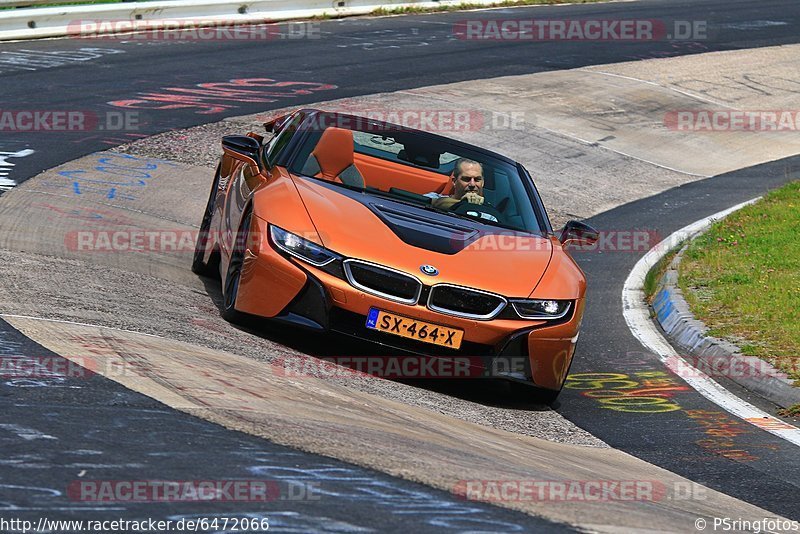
58,431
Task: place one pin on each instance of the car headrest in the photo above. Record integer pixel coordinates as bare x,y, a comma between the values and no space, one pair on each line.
334,152
447,188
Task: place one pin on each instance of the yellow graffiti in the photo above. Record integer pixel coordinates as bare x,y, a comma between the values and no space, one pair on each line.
650,392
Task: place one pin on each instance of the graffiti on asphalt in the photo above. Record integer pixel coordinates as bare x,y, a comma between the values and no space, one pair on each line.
721,431
393,39
33,60
121,175
11,353
346,483
216,97
643,392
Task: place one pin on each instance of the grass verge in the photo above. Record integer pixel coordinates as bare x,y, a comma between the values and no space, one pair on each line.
470,5
742,279
654,275
793,411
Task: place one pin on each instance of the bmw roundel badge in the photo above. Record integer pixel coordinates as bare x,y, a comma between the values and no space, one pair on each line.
430,270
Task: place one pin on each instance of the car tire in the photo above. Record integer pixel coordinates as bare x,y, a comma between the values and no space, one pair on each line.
230,284
546,396
549,396
528,393
199,266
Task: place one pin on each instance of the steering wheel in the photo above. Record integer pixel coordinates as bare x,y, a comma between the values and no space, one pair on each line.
485,211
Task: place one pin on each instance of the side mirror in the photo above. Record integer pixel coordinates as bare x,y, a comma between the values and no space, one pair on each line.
578,233
242,148
276,124
269,127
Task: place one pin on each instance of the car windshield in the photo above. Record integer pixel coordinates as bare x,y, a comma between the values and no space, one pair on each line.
410,167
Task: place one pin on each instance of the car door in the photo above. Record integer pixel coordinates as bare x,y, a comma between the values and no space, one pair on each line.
245,178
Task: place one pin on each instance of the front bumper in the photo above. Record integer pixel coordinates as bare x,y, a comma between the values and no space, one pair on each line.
288,291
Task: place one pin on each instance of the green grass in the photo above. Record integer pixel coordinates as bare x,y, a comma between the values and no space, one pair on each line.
408,10
742,279
654,275
793,411
469,5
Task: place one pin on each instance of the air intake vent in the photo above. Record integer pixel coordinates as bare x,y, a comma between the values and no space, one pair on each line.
465,302
382,281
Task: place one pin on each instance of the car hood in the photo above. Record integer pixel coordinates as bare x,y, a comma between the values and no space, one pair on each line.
406,237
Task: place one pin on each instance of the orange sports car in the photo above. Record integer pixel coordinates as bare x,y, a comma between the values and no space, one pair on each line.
396,236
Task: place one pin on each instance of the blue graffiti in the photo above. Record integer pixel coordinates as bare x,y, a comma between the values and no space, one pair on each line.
133,176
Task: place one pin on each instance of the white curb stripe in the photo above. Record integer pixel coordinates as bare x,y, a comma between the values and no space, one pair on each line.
637,315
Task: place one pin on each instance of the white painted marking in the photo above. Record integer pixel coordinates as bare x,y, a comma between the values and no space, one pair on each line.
648,82
51,491
77,324
753,24
85,452
6,184
19,154
106,466
637,315
32,60
25,432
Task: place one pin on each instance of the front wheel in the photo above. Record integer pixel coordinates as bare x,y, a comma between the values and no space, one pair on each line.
528,393
199,265
546,396
230,285
549,396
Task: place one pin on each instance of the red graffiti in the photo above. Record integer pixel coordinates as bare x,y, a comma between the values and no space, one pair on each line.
721,431
217,97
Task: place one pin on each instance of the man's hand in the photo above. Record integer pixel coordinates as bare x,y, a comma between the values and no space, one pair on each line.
473,198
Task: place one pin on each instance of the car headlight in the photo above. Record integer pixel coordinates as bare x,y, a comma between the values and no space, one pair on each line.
541,309
298,247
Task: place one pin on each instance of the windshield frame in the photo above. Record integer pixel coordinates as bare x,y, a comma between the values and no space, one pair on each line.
315,118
